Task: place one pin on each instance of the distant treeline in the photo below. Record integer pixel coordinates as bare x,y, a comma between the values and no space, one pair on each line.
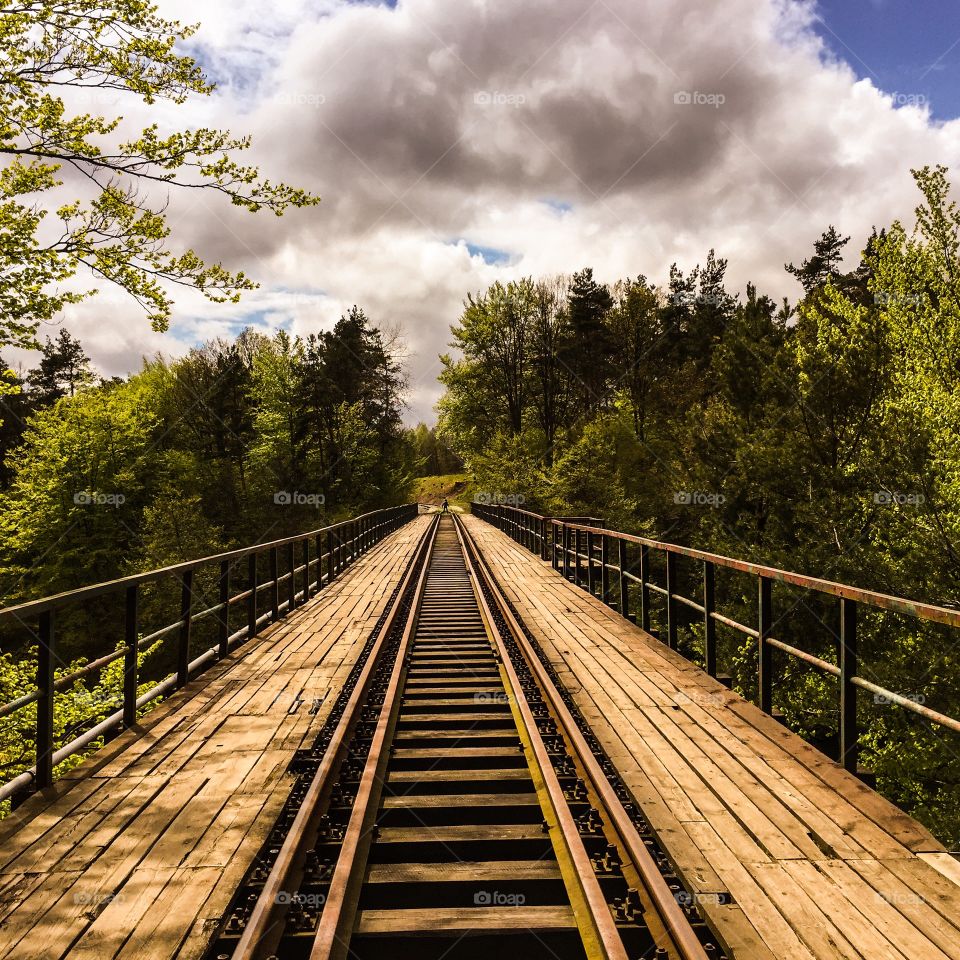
822,437
241,441
238,442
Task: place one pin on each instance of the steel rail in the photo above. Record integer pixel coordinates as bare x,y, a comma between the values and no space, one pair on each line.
332,938
600,917
685,940
265,918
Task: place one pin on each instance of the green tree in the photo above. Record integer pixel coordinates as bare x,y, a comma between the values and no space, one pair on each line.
635,324
64,368
207,406
83,474
550,388
50,53
590,345
823,267
493,334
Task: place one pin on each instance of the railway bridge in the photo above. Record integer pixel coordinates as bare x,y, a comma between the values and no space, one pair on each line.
458,736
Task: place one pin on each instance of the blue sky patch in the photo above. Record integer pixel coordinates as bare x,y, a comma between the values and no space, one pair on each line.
906,48
557,206
490,255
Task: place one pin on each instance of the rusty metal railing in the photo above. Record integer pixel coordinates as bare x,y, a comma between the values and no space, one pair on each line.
323,555
597,560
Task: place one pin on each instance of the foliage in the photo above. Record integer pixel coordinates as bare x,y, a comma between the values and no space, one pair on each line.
64,368
237,442
55,58
432,456
823,438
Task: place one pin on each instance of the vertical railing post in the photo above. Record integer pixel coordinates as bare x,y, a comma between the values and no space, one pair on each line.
622,574
591,575
46,659
292,566
319,562
577,570
223,619
329,557
543,538
709,624
604,568
130,659
252,599
671,559
186,620
274,583
765,601
566,552
554,545
644,589
306,569
849,734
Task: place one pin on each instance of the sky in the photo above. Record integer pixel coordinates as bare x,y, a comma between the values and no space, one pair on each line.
911,49
455,144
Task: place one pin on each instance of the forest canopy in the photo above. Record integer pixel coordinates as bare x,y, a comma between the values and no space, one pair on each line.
822,437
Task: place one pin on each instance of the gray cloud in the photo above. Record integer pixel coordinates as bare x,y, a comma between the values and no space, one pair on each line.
434,121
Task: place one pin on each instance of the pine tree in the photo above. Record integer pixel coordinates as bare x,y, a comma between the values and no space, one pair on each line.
823,266
591,340
64,369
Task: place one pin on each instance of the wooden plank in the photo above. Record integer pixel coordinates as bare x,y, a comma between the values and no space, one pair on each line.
139,853
818,864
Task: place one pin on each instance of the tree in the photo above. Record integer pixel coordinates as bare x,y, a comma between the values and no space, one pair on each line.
207,405
549,336
635,324
493,334
917,277
14,410
590,345
712,310
49,52
842,355
64,368
86,468
822,267
432,456
278,453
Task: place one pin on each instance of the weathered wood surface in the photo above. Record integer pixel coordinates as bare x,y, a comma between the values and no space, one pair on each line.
137,853
817,864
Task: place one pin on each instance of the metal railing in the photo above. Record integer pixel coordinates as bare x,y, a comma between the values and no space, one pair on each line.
323,554
530,529
600,561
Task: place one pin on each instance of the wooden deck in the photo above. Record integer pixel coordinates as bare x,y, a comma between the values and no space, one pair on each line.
817,864
138,852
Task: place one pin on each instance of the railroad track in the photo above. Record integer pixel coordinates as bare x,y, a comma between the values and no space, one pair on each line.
455,804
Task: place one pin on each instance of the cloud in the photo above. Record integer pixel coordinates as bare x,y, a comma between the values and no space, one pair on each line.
623,134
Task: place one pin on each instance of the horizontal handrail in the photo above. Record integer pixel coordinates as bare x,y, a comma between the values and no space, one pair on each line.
915,608
31,607
324,553
582,552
